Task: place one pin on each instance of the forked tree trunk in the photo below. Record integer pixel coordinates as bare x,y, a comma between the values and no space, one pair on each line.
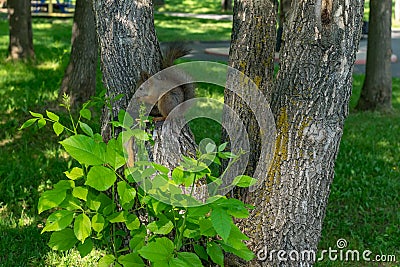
20,25
79,80
376,93
309,102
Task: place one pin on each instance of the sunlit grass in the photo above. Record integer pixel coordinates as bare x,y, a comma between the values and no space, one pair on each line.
191,6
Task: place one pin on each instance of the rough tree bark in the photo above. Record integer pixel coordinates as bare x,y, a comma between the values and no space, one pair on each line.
128,46
79,80
20,25
310,103
376,93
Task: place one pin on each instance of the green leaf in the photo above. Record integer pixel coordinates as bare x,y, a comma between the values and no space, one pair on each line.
71,203
114,155
118,217
126,195
137,238
139,134
58,128
41,123
64,185
200,251
85,248
178,175
244,181
215,252
58,220
62,240
52,116
84,149
75,173
98,222
36,115
82,227
243,253
210,147
86,113
222,147
86,129
131,260
190,259
160,168
161,250
106,261
80,192
206,227
132,222
92,202
100,178
51,199
28,123
161,227
221,222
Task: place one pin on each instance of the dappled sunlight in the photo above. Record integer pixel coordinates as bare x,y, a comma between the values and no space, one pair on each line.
49,65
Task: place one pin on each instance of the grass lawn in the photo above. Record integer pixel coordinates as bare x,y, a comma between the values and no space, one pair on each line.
363,206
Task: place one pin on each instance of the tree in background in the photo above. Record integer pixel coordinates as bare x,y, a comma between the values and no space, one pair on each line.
20,25
79,80
309,99
376,93
226,5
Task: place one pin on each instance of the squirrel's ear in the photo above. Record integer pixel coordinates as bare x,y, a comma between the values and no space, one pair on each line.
144,76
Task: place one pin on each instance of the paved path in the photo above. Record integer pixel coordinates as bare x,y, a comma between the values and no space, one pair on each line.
219,51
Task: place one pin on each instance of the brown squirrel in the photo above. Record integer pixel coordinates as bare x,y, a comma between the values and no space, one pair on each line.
157,89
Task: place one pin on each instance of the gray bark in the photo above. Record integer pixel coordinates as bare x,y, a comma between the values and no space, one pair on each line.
129,46
20,25
79,80
310,103
376,93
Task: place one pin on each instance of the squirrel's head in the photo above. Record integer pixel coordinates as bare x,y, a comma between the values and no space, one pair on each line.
150,90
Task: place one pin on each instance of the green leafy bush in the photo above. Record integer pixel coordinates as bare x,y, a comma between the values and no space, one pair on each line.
162,225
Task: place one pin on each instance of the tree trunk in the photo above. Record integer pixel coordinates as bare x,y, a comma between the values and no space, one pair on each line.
376,93
309,103
80,75
20,24
397,10
226,5
129,46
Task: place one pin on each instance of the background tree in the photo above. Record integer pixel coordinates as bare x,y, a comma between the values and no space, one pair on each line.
226,5
309,100
376,93
20,25
80,75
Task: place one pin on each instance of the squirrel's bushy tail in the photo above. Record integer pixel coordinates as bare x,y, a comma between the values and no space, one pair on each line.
172,52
